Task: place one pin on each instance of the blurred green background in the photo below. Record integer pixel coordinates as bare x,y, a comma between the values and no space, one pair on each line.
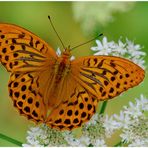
132,24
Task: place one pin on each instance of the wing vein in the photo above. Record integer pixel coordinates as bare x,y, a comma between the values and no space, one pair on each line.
91,78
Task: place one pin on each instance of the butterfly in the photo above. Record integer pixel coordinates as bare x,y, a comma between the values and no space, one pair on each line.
55,90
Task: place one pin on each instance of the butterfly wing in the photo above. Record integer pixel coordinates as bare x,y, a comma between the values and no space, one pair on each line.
21,50
96,78
71,113
28,58
106,76
26,96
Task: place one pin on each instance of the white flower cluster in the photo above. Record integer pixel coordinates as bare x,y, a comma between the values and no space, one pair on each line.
94,132
132,121
41,136
98,129
127,50
90,14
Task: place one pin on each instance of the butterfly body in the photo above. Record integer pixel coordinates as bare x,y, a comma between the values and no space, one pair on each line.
54,90
62,66
60,73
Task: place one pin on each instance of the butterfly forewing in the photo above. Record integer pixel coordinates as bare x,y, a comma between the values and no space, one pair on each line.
106,76
21,50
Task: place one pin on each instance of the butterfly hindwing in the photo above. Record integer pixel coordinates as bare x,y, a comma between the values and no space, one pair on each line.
72,113
21,50
106,76
26,97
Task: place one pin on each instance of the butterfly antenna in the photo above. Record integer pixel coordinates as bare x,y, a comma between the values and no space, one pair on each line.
87,41
56,32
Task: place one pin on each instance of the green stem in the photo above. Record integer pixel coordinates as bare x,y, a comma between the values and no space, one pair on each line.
103,107
118,144
16,142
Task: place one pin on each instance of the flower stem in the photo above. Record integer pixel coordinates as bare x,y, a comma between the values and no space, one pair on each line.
103,107
16,142
118,144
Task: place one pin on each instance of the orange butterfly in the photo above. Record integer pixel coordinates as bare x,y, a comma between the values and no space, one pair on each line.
54,90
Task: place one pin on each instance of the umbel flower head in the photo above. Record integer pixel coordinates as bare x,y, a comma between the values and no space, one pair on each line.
134,122
42,135
93,134
99,128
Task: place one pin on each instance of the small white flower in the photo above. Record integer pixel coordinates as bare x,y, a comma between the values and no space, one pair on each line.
84,140
71,140
142,102
139,143
100,143
93,120
132,47
138,61
104,48
135,52
58,52
72,58
136,109
123,119
133,110
119,49
110,125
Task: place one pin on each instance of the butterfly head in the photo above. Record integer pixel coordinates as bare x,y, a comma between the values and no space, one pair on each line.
67,52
